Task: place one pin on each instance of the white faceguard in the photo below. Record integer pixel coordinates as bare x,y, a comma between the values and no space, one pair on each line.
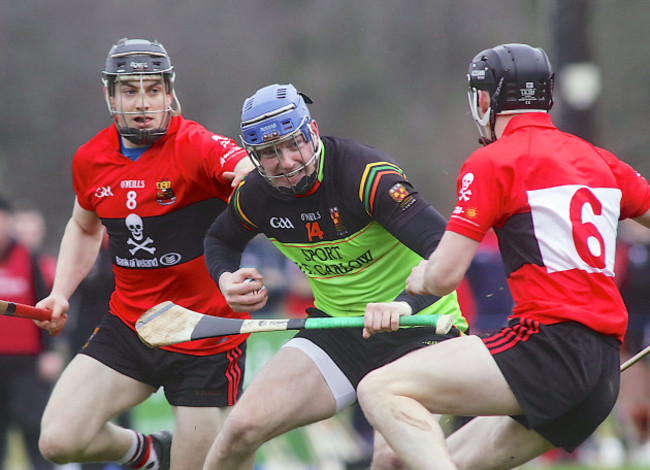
306,182
135,135
481,122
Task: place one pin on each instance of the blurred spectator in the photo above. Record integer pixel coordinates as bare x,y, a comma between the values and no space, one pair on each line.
633,278
29,226
30,361
490,302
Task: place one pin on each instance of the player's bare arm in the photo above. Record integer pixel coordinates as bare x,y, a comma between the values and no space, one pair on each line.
79,247
445,268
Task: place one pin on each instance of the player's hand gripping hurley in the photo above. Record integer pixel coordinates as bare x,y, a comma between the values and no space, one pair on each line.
168,323
14,309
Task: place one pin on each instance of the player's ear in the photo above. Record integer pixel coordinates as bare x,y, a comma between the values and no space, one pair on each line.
483,101
314,128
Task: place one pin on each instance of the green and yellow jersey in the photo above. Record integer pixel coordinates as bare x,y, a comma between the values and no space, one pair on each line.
356,235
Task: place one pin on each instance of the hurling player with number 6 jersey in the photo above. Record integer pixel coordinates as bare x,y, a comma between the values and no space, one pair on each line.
155,182
551,376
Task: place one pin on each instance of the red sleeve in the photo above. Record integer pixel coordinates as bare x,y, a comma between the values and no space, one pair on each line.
79,182
481,192
635,200
225,153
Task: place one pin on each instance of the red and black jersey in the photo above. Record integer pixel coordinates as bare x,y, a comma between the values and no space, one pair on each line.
156,211
555,201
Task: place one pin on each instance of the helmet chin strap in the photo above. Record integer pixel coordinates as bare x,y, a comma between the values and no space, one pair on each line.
301,187
141,136
493,119
306,182
482,125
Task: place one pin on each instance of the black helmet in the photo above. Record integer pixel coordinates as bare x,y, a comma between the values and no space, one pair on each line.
139,59
518,78
131,56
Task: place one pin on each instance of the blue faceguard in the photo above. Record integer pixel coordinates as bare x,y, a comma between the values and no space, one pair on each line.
275,114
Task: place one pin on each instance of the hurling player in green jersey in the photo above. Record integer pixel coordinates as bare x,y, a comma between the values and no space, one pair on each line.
346,214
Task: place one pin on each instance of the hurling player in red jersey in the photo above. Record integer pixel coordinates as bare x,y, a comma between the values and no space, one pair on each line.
155,181
551,376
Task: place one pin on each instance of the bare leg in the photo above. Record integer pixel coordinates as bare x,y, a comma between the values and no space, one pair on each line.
507,443
287,393
195,431
457,376
383,457
75,426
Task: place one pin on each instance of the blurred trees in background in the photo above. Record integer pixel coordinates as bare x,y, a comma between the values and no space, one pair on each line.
388,73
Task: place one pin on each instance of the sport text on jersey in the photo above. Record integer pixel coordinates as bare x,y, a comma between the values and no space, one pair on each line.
331,260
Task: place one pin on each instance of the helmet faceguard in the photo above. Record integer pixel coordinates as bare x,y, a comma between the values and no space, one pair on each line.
274,116
518,77
137,62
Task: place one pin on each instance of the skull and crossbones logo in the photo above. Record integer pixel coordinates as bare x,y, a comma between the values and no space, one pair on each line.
136,227
464,191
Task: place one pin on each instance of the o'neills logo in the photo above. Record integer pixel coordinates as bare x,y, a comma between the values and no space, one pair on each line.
132,184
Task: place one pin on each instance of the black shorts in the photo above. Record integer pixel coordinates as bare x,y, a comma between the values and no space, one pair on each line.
197,381
565,377
356,356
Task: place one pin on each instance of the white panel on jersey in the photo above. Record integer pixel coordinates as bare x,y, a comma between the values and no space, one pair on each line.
565,242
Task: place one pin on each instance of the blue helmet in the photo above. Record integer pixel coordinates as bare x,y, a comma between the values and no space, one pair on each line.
274,114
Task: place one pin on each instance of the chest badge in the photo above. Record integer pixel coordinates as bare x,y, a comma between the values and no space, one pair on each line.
338,223
164,192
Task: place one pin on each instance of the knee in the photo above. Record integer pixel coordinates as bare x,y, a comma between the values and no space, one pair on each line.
58,443
369,392
53,447
241,434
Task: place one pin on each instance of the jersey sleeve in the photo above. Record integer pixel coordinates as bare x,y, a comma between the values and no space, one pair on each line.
390,198
79,182
224,243
635,199
220,154
231,153
481,191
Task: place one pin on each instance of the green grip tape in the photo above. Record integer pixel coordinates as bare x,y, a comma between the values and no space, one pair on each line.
316,323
